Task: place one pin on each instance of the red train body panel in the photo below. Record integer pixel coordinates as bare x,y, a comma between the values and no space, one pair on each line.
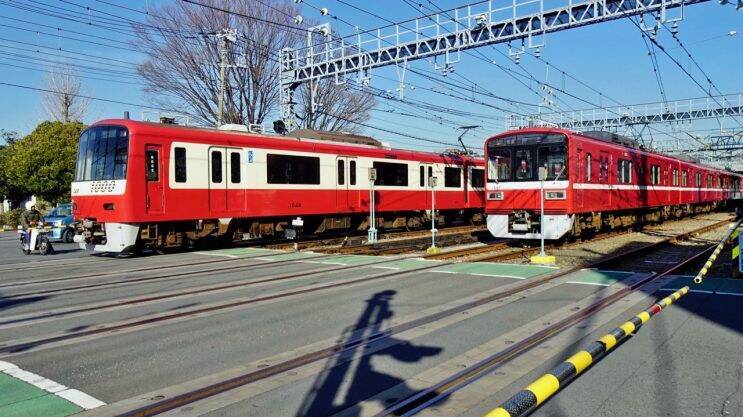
165,184
592,183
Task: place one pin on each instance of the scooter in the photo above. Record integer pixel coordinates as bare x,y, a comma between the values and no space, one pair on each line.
38,239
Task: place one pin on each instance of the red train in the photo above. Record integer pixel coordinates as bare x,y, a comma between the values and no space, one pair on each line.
595,180
141,184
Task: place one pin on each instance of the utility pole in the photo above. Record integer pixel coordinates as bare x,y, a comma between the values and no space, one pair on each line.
226,36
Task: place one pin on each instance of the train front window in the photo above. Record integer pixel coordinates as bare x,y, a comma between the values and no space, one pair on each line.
517,157
102,154
554,159
499,165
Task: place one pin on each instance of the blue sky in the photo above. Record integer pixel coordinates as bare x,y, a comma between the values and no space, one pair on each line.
609,57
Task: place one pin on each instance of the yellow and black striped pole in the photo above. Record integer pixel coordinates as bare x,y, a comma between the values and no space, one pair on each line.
526,400
735,262
703,272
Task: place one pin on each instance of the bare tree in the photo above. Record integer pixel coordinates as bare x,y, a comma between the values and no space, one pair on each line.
337,108
63,101
182,68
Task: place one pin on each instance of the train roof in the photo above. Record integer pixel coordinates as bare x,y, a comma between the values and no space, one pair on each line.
333,139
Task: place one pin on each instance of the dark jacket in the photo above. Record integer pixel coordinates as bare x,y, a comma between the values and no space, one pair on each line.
30,217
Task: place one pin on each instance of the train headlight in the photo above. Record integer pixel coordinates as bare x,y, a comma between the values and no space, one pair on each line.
497,195
554,195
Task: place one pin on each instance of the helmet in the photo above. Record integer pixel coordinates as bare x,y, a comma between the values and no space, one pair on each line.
30,205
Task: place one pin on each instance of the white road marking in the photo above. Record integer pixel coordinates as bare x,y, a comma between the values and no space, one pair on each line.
72,395
729,293
386,267
495,275
216,254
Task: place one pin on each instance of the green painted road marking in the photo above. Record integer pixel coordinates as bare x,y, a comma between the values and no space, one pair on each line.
238,252
496,269
598,277
721,286
285,256
21,399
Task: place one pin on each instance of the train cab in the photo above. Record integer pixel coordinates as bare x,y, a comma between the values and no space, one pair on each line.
513,201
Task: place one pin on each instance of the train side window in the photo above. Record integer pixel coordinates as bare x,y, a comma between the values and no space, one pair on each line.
719,182
290,169
709,181
180,164
352,172
675,177
684,179
216,167
235,167
341,172
430,173
153,165
699,179
422,176
391,174
655,174
452,177
478,177
588,167
624,171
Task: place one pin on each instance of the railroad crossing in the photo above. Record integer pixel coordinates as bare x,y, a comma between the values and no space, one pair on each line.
311,332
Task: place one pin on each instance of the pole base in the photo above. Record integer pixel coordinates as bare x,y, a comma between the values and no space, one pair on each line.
433,250
543,259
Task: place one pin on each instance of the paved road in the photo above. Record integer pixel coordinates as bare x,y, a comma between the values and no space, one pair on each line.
10,253
117,329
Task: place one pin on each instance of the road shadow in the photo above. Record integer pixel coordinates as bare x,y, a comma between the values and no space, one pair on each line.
352,377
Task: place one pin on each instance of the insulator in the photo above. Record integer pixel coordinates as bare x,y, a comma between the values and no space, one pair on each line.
324,11
297,1
298,19
675,28
537,52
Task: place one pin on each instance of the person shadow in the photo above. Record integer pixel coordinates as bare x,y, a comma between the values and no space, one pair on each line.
351,376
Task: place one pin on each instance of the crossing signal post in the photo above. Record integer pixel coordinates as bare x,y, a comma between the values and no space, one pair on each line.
542,258
432,181
372,233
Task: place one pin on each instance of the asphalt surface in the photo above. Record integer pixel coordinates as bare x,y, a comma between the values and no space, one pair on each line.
687,361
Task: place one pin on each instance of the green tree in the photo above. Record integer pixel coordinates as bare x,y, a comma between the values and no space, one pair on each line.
43,162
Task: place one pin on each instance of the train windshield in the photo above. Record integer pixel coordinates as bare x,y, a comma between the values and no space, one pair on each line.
102,154
518,157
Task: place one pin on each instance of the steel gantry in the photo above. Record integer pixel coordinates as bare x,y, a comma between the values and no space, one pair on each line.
687,110
448,33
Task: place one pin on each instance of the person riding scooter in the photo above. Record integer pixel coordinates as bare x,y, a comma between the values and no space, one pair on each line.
30,219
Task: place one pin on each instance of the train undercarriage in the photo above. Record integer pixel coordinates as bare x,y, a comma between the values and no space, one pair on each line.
524,224
132,238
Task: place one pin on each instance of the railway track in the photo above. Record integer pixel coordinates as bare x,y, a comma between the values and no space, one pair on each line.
455,381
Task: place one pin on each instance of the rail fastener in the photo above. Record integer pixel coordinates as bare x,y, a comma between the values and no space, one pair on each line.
526,400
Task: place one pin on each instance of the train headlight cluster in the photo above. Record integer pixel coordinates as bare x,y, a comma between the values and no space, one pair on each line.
554,195
498,195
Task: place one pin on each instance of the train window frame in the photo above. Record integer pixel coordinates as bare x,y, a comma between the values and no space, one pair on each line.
548,157
280,169
588,167
477,177
452,177
699,179
675,178
152,170
391,174
216,171
352,172
624,171
235,169
422,174
430,174
654,174
684,178
527,174
180,163
341,171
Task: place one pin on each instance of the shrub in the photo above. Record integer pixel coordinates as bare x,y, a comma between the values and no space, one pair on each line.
11,218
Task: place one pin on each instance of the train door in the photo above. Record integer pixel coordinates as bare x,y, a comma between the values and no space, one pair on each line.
217,183
604,179
235,188
154,178
579,177
425,172
341,184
